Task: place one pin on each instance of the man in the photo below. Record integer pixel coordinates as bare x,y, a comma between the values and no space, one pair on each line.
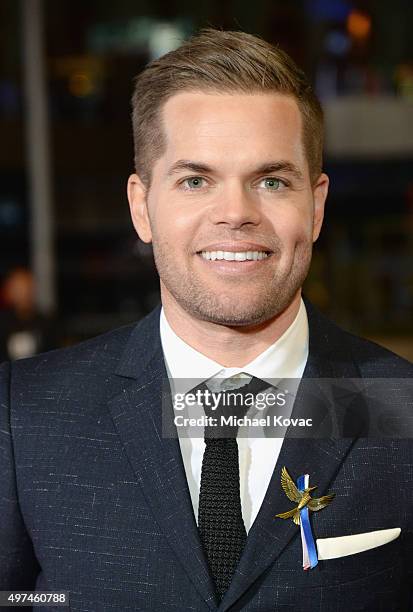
95,500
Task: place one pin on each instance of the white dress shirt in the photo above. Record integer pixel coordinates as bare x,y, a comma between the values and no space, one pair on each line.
286,358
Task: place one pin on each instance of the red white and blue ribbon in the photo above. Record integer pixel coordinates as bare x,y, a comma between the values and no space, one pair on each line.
310,558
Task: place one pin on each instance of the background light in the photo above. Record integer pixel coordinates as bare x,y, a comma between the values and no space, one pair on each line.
359,25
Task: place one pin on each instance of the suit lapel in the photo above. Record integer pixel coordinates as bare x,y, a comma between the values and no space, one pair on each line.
157,461
320,458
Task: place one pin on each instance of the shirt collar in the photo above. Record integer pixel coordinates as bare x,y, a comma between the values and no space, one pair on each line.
285,358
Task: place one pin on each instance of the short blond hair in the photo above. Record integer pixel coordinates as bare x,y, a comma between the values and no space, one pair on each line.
223,62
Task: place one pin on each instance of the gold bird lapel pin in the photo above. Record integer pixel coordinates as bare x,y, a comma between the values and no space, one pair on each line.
300,494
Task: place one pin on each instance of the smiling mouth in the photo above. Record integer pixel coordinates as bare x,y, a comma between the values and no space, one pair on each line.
234,255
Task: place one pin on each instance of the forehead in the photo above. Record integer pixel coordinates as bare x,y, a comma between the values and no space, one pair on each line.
232,127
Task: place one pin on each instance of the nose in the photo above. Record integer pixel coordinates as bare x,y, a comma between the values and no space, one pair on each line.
235,207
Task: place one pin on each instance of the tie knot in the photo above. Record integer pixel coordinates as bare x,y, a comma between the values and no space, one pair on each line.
237,381
226,401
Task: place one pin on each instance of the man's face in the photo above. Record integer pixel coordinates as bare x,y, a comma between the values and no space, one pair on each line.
230,211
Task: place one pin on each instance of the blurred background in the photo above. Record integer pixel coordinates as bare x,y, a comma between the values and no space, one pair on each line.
71,265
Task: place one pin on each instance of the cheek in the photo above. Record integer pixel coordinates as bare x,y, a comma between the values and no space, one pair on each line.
173,221
292,227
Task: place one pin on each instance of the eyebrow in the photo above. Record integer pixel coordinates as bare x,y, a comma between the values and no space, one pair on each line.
267,168
281,166
185,164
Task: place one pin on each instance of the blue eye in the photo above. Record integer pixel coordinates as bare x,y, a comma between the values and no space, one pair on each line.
195,182
271,183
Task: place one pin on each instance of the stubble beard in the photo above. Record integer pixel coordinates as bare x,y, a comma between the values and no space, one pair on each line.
269,299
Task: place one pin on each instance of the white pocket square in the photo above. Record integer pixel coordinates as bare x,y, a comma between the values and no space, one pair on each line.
332,548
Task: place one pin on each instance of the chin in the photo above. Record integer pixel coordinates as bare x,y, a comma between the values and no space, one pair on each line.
237,318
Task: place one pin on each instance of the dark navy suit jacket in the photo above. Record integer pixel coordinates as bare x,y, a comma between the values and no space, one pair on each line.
94,501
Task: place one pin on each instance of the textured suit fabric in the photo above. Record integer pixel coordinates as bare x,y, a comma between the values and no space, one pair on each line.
94,501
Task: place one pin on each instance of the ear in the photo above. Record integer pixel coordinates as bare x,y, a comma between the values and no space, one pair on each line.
320,191
139,208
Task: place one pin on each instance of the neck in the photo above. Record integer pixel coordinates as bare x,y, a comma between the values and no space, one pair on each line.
232,347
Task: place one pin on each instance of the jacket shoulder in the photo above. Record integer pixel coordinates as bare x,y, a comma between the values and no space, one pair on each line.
376,360
372,359
99,353
339,345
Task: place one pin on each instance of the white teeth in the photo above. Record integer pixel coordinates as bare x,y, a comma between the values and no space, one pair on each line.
234,256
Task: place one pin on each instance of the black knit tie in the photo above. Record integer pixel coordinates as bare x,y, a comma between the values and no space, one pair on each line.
220,521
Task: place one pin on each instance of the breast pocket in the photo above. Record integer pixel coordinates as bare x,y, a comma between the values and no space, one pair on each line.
333,548
361,565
